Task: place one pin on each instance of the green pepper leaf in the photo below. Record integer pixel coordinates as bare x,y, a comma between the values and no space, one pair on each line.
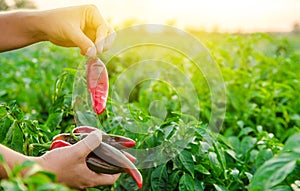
159,178
186,183
274,171
187,161
292,144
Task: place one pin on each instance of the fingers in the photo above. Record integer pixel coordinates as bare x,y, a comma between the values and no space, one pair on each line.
104,33
106,179
85,44
109,39
88,144
95,28
104,38
91,51
100,38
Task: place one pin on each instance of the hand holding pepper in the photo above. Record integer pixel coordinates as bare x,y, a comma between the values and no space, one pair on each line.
108,157
78,26
69,164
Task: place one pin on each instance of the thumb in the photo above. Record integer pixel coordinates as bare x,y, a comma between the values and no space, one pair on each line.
88,144
86,45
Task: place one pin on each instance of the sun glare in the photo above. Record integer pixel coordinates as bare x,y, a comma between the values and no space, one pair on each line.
225,15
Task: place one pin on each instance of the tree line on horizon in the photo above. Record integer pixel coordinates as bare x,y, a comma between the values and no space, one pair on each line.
18,4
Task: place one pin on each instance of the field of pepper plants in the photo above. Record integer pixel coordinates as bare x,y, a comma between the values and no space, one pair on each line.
254,146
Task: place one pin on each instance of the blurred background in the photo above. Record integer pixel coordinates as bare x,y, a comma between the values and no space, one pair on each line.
231,16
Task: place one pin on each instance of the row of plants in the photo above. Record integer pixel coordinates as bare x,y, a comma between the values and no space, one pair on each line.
257,147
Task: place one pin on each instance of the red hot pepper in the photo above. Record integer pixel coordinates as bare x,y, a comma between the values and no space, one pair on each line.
58,144
97,80
117,141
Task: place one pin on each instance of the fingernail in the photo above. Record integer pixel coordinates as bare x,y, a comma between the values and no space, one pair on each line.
109,41
100,45
91,52
93,140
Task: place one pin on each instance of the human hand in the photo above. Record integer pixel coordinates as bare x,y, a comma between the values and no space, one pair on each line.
78,26
69,164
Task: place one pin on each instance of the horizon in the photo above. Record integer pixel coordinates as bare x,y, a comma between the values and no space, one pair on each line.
225,16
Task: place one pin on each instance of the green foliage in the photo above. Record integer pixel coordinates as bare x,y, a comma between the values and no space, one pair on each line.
24,4
3,5
257,148
282,167
34,179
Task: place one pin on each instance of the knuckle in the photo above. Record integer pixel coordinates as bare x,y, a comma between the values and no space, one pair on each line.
89,184
82,187
85,184
91,8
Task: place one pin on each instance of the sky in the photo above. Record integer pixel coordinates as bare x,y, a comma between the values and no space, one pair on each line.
228,15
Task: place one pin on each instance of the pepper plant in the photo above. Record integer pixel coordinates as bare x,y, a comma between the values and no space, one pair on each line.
257,147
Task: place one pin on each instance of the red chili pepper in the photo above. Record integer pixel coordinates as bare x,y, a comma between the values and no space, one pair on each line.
110,158
117,141
97,80
58,144
84,129
129,156
136,175
68,138
115,157
99,166
123,141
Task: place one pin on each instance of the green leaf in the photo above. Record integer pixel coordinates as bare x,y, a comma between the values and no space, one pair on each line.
173,181
249,176
263,156
159,178
200,168
3,111
86,118
18,168
199,186
13,185
214,163
293,143
127,183
52,186
247,144
245,131
1,159
9,133
186,183
14,138
187,161
54,120
5,124
15,110
274,171
281,188
220,155
232,154
17,140
235,142
176,163
37,179
220,188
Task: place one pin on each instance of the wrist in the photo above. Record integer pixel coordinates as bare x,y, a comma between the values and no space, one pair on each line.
11,158
43,163
33,23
